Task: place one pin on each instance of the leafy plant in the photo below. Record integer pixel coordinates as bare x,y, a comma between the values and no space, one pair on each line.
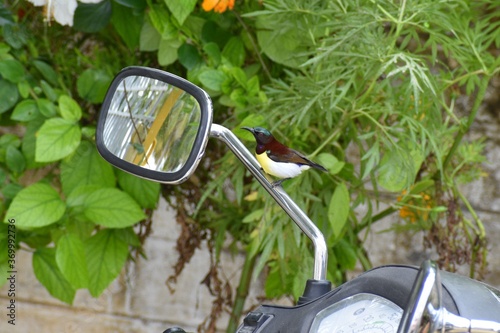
369,88
71,209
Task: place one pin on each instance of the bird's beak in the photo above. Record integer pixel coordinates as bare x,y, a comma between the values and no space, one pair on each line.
251,130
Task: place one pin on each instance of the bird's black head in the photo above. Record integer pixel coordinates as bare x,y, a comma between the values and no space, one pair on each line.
262,135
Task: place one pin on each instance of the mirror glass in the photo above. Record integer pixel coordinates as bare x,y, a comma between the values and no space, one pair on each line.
151,123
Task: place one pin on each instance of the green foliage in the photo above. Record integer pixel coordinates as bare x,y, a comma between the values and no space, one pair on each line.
37,205
70,207
338,209
106,253
368,88
380,79
49,274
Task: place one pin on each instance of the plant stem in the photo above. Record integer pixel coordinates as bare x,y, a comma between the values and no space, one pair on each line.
363,225
241,293
464,128
480,227
254,45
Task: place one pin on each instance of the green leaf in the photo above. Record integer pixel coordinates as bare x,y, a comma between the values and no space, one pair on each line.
421,186
82,228
56,139
283,47
212,32
25,111
240,76
5,17
16,35
345,254
10,191
129,236
239,97
161,21
213,79
180,8
127,23
234,51
145,192
92,17
86,167
12,70
150,38
49,92
136,4
47,72
46,107
70,258
78,196
213,52
398,168
24,89
15,160
88,132
106,255
8,95
188,56
9,139
338,209
256,215
331,163
112,208
69,108
4,267
35,206
167,51
253,86
93,84
49,275
29,142
3,177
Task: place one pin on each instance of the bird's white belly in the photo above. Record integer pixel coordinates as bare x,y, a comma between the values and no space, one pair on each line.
279,169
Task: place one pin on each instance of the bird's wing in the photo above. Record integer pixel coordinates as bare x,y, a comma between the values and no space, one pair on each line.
293,156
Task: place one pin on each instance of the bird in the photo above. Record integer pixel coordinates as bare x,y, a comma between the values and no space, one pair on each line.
278,160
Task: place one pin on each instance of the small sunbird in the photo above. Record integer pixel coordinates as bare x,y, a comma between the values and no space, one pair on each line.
278,160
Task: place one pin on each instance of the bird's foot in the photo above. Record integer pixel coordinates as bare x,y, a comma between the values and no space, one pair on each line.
279,182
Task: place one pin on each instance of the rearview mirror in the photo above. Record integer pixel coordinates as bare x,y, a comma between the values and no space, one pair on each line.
154,124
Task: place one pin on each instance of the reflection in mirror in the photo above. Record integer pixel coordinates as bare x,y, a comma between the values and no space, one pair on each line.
152,124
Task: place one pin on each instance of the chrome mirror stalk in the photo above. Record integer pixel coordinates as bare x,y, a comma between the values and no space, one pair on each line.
280,196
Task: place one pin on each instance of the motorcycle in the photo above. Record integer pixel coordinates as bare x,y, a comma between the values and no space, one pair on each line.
156,125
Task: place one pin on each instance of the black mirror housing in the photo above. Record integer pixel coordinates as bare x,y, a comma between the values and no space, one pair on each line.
154,124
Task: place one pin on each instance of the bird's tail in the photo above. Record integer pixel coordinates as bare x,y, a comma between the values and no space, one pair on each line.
315,165
319,167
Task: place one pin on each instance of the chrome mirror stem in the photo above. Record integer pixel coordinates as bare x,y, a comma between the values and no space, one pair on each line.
280,196
483,326
456,324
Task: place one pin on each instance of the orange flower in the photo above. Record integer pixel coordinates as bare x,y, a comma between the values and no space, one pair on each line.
414,213
219,6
